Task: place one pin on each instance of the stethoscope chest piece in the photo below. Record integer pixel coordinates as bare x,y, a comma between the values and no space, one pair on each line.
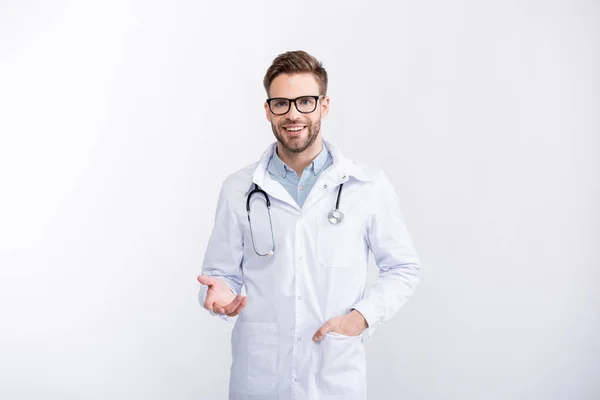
335,216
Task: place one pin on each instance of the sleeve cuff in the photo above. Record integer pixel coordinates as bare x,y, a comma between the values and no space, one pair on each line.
367,311
370,315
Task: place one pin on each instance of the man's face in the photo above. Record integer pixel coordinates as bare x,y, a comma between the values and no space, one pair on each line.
297,131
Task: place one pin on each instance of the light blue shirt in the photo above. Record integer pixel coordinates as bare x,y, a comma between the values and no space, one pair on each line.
299,187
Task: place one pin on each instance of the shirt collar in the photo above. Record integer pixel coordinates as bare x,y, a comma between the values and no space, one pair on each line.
319,162
341,169
277,166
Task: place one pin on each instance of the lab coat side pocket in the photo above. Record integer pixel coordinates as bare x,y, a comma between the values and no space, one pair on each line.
254,367
342,367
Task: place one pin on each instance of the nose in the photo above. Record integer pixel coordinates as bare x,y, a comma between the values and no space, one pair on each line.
293,113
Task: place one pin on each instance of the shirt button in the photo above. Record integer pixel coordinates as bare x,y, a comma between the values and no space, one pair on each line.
299,216
299,297
296,380
298,338
301,188
300,258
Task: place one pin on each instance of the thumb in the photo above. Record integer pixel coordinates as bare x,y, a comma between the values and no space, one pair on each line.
327,326
206,280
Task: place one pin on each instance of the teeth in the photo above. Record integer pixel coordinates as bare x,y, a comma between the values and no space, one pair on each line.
296,129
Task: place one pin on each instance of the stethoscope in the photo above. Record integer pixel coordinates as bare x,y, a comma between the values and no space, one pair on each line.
335,216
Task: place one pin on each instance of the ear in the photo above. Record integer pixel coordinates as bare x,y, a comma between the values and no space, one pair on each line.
267,112
325,106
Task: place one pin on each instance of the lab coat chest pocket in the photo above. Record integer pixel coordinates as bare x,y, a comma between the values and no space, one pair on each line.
254,367
339,245
342,368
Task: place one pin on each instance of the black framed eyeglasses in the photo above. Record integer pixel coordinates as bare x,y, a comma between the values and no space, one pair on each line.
304,104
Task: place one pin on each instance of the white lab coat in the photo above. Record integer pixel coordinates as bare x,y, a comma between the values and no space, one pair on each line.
317,272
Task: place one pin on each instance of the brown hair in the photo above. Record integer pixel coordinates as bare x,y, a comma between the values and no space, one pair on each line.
293,62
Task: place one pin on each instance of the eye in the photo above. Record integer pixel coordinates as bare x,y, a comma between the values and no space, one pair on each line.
307,101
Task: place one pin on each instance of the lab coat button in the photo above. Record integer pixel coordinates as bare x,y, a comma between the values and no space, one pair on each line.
296,380
298,338
299,297
300,258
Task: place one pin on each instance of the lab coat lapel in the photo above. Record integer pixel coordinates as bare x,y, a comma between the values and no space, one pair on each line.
327,182
262,178
340,172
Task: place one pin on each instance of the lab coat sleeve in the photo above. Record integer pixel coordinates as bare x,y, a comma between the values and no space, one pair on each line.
395,256
224,251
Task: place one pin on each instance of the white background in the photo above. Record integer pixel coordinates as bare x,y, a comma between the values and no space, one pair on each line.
119,121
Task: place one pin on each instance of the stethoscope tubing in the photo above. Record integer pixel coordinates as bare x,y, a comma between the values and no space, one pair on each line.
335,216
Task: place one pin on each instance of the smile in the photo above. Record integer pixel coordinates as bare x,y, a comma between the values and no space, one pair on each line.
294,129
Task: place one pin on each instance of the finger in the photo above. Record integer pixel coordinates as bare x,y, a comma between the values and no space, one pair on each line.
239,308
327,326
206,280
209,304
229,308
209,301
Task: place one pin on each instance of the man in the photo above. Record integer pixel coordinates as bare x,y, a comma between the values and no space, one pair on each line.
301,327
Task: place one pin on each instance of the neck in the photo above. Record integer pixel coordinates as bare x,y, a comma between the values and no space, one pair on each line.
299,161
